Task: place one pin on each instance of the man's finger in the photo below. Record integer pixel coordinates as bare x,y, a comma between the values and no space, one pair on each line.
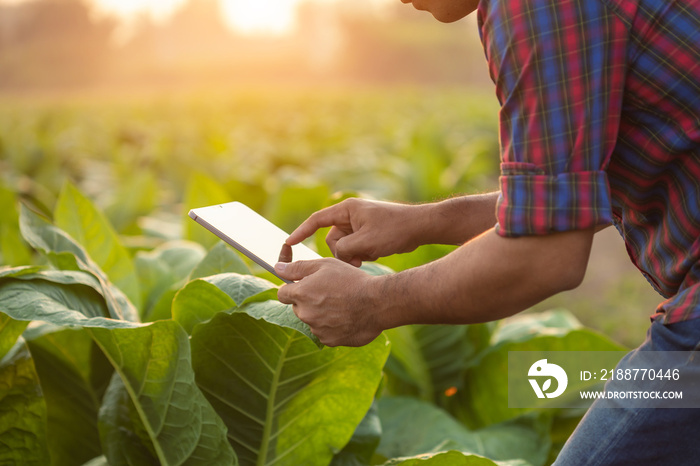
327,217
285,293
333,236
285,253
295,271
354,247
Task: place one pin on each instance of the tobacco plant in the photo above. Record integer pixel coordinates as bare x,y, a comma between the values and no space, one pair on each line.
181,354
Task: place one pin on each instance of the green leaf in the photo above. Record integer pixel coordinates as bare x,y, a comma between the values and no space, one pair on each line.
202,298
364,442
522,327
61,304
10,331
19,271
202,191
22,410
136,196
484,397
413,427
180,257
279,314
99,461
284,400
451,458
63,298
407,370
220,259
177,422
56,244
251,194
64,362
293,203
164,269
66,254
13,251
120,426
152,360
198,302
422,255
240,287
431,358
78,217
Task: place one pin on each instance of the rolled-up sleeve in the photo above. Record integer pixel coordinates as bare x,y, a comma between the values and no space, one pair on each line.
559,69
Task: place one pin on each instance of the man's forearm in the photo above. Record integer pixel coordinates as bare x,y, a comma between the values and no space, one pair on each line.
459,219
486,279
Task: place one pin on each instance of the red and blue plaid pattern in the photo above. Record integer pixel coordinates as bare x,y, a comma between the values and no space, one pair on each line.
600,123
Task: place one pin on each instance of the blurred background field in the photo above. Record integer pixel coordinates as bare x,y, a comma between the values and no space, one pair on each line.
150,114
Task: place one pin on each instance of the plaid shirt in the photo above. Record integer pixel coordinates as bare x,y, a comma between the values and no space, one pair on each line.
600,123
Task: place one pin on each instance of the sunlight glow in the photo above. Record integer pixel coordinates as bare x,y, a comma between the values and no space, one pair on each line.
273,16
159,9
248,16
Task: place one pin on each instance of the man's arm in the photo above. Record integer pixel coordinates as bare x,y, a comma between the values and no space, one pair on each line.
364,230
488,278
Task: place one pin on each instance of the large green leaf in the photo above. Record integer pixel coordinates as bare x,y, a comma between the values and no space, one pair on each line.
412,427
153,362
22,410
164,409
284,400
78,217
99,461
240,287
74,304
64,361
427,360
164,270
56,244
364,442
66,254
120,426
10,331
198,302
523,327
274,312
13,251
202,298
220,259
484,397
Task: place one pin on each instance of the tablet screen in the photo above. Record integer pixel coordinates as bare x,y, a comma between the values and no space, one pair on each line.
249,232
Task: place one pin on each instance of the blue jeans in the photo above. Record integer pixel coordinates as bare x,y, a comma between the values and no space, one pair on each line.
612,435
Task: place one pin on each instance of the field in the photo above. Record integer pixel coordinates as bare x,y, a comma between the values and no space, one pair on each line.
125,319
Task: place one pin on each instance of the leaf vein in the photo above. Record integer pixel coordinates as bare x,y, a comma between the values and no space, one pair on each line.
236,373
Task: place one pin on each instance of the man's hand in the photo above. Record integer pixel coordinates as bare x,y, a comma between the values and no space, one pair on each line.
364,230
486,279
336,300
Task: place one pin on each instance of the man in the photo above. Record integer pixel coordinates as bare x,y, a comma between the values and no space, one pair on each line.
600,124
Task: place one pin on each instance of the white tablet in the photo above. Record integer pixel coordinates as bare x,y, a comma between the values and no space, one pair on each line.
250,233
